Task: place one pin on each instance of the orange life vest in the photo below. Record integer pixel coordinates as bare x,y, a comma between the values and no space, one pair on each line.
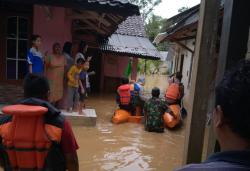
120,116
172,120
173,91
124,93
26,137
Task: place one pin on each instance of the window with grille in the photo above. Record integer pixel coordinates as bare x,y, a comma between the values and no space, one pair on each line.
16,47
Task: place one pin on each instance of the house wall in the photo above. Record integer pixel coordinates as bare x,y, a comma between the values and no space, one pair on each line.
187,63
248,49
186,70
56,28
113,68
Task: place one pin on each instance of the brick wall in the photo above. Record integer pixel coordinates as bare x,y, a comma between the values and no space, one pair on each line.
10,93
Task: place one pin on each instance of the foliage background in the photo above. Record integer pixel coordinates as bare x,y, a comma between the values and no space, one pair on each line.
153,26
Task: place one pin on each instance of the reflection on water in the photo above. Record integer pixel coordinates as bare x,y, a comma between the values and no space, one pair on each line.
125,147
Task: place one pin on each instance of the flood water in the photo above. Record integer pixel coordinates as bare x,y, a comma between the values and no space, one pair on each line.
126,147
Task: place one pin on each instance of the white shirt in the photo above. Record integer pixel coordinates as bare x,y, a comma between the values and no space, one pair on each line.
79,55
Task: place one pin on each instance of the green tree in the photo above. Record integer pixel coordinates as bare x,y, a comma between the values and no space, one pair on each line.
153,27
146,6
142,65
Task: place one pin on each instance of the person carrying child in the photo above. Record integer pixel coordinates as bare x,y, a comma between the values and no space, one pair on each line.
154,110
73,85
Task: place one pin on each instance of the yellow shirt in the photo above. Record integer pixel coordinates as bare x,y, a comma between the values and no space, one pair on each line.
73,76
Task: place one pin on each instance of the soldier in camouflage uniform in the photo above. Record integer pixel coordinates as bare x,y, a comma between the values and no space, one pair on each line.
154,110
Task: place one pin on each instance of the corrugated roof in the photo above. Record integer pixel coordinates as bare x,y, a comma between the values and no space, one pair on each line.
164,55
98,17
132,26
132,46
130,39
180,16
186,18
121,7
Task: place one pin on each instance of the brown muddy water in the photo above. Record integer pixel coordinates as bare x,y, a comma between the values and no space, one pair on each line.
126,147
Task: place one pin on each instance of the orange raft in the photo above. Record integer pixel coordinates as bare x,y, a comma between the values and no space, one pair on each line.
135,119
173,119
122,116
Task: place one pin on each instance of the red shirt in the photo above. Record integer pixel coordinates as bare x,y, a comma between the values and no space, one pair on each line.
68,142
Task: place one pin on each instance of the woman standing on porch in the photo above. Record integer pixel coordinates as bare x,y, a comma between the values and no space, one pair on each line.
67,52
55,65
82,50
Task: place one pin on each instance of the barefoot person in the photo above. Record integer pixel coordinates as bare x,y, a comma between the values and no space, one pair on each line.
35,133
74,84
231,118
67,53
55,65
84,87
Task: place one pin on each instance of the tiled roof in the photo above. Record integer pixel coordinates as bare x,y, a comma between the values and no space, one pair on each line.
130,39
132,26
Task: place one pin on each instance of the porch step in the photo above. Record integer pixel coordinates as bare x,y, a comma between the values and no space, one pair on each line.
87,119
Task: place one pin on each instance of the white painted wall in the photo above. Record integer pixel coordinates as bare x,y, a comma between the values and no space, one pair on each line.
186,71
248,50
187,64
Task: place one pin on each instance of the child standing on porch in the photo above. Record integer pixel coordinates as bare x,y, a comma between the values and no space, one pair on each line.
34,57
84,85
73,84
